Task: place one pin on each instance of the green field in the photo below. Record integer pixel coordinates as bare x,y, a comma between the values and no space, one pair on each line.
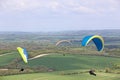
51,76
73,62
64,66
6,59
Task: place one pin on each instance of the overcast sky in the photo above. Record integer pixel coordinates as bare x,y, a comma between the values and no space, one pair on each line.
58,15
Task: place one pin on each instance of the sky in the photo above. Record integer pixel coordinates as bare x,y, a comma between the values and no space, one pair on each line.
59,15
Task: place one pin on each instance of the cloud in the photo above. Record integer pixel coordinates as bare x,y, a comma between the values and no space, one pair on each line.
83,9
95,6
61,6
20,5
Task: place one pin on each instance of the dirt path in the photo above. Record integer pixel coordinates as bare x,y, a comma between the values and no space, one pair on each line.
41,55
5,54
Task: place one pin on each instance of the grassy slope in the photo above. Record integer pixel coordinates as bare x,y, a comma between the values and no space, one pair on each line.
72,62
68,62
51,76
63,63
8,58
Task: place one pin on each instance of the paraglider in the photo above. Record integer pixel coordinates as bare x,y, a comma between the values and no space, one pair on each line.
64,45
63,41
98,41
22,69
91,72
23,53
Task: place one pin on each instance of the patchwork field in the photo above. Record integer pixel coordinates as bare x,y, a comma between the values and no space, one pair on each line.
65,62
68,67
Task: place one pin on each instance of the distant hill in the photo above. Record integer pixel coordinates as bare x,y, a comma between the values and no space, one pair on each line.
111,32
112,36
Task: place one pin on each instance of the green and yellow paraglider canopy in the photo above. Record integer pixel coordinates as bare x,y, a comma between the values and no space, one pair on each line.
98,40
23,53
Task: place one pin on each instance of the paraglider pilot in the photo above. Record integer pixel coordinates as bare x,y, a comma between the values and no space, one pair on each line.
22,69
91,72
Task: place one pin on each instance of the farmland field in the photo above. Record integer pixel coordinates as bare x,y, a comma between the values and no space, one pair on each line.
65,66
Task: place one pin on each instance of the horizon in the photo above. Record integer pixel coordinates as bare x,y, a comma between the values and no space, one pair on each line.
63,30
